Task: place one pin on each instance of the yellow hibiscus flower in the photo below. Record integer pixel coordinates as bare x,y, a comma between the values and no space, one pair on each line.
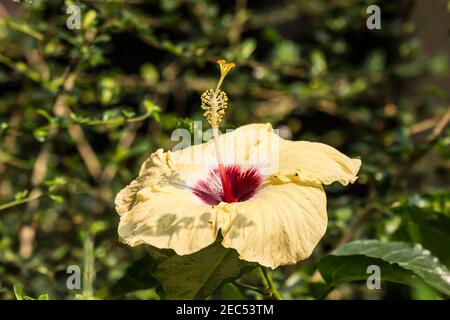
263,194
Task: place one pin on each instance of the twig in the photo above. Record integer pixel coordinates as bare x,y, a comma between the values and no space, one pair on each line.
19,202
424,125
88,266
440,127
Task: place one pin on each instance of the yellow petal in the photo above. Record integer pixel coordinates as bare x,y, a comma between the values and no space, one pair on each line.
249,145
174,219
253,145
159,209
316,163
281,225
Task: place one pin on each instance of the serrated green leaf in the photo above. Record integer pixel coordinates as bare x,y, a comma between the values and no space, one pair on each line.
341,269
396,260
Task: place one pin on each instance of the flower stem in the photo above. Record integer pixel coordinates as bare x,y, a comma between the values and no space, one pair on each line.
267,280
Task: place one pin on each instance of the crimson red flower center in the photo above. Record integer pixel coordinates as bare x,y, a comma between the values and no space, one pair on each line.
240,185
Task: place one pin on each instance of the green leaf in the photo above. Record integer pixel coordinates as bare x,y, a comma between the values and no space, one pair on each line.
41,133
231,292
318,63
399,262
18,292
425,220
149,73
98,226
108,90
53,184
21,195
79,119
198,275
247,48
43,297
439,64
3,126
341,269
152,109
46,115
376,62
57,198
89,19
136,277
285,53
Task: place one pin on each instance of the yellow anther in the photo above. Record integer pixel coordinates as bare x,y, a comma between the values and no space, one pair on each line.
214,106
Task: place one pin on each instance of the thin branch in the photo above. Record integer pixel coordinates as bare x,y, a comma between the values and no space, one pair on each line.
19,202
424,125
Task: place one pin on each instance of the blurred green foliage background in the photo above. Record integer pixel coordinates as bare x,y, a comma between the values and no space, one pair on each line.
81,109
